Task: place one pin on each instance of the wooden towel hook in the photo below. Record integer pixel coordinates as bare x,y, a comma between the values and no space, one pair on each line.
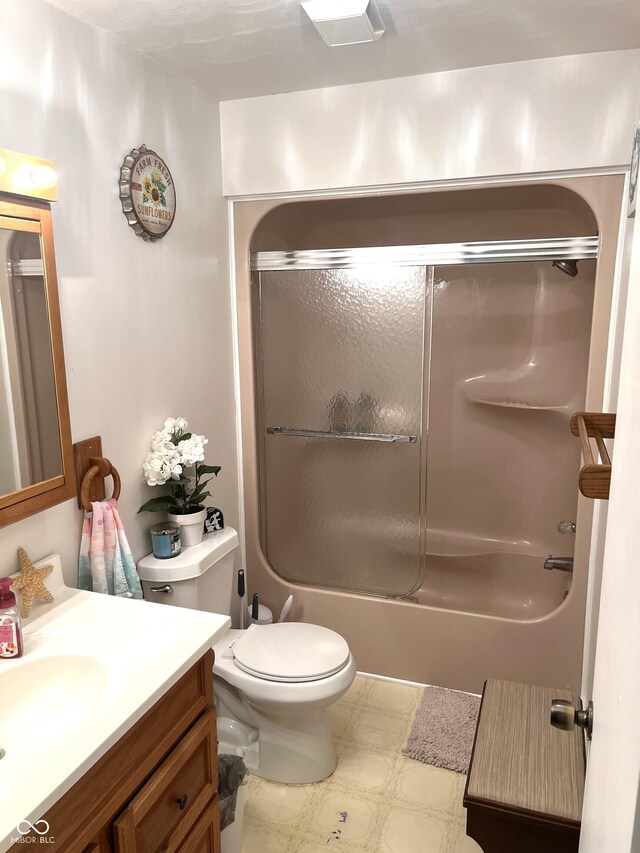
103,468
92,468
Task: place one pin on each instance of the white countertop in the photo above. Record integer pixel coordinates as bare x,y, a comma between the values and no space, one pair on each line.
105,662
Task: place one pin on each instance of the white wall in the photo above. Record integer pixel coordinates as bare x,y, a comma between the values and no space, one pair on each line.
147,327
571,112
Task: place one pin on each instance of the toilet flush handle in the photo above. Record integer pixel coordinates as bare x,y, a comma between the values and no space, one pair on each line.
166,588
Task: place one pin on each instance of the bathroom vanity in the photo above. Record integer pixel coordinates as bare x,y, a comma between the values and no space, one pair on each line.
156,789
110,730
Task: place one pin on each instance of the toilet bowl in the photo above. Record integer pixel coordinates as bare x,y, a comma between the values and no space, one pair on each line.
284,714
273,683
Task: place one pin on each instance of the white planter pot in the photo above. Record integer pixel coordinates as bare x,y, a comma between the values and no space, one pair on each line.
191,527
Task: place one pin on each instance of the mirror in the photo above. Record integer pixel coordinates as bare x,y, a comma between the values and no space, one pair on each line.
36,468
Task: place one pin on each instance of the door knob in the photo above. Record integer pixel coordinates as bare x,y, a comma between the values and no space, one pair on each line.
565,716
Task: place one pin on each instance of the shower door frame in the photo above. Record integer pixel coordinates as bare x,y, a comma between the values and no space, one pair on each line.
426,256
421,438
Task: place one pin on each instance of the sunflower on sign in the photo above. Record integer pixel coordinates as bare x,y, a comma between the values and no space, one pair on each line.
153,188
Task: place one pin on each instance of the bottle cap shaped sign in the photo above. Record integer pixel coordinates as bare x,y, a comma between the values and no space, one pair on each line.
147,193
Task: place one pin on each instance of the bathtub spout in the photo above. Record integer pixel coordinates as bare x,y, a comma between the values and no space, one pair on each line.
563,564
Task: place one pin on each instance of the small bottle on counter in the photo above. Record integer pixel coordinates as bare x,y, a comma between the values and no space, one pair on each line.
10,628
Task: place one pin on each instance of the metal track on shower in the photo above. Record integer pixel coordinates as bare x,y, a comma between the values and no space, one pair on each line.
434,254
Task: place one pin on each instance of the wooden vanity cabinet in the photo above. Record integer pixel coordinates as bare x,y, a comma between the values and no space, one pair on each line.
157,788
161,815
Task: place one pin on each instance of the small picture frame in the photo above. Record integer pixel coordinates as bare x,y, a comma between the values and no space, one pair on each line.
214,520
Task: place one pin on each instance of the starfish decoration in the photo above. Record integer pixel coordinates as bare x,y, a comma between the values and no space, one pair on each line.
31,582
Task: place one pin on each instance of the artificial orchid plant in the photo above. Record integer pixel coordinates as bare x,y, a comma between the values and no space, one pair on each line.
176,460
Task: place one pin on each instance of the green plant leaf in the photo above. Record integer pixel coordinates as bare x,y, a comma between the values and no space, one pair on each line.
198,498
164,504
208,469
200,491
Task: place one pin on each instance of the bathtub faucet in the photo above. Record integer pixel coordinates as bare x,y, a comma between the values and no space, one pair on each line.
563,564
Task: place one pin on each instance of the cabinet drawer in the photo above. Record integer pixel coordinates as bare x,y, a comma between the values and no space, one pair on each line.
166,808
205,835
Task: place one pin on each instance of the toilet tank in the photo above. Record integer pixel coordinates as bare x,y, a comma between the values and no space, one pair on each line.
202,577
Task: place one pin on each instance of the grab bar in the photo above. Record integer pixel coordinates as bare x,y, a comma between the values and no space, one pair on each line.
354,436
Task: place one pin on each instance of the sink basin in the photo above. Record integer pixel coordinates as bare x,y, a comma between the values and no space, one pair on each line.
46,697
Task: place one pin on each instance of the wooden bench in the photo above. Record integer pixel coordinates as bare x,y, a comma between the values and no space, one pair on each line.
526,780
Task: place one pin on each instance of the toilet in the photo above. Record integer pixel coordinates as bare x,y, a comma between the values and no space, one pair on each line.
273,683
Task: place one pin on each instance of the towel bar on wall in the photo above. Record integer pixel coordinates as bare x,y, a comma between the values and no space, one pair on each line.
595,476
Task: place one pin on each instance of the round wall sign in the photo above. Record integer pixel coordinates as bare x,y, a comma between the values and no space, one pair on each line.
147,193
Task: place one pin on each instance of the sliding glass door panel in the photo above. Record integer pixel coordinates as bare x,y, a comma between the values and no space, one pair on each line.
340,356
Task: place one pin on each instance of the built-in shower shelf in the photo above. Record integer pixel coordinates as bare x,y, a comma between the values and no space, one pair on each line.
527,393
514,404
595,476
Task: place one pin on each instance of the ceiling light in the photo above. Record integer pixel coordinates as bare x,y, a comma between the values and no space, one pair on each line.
341,22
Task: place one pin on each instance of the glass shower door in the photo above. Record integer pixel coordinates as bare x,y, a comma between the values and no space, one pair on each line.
340,357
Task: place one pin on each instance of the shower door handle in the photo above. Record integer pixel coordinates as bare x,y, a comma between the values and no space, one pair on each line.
389,438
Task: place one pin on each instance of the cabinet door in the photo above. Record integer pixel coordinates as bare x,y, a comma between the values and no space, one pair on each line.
205,835
94,847
167,807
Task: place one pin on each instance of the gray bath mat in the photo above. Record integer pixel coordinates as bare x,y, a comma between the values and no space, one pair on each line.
443,729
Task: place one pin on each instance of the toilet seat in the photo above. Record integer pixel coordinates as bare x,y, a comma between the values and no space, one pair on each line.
291,652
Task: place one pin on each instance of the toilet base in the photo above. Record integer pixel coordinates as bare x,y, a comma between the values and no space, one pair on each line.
293,748
296,749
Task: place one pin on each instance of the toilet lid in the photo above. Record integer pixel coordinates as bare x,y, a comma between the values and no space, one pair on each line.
291,651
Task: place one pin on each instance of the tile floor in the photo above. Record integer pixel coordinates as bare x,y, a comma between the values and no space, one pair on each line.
377,801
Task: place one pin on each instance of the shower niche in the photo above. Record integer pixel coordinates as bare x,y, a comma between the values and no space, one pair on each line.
416,367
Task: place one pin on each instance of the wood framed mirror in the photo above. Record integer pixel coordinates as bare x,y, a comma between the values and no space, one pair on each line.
36,458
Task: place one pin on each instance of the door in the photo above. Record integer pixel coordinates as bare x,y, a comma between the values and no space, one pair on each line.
611,819
341,356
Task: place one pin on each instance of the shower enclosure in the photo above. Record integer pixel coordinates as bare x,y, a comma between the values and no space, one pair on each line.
408,368
412,418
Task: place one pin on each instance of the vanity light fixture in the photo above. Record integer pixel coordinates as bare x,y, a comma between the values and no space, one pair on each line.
342,22
23,175
43,177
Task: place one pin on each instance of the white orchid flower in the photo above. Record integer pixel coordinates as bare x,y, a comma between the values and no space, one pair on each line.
166,462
